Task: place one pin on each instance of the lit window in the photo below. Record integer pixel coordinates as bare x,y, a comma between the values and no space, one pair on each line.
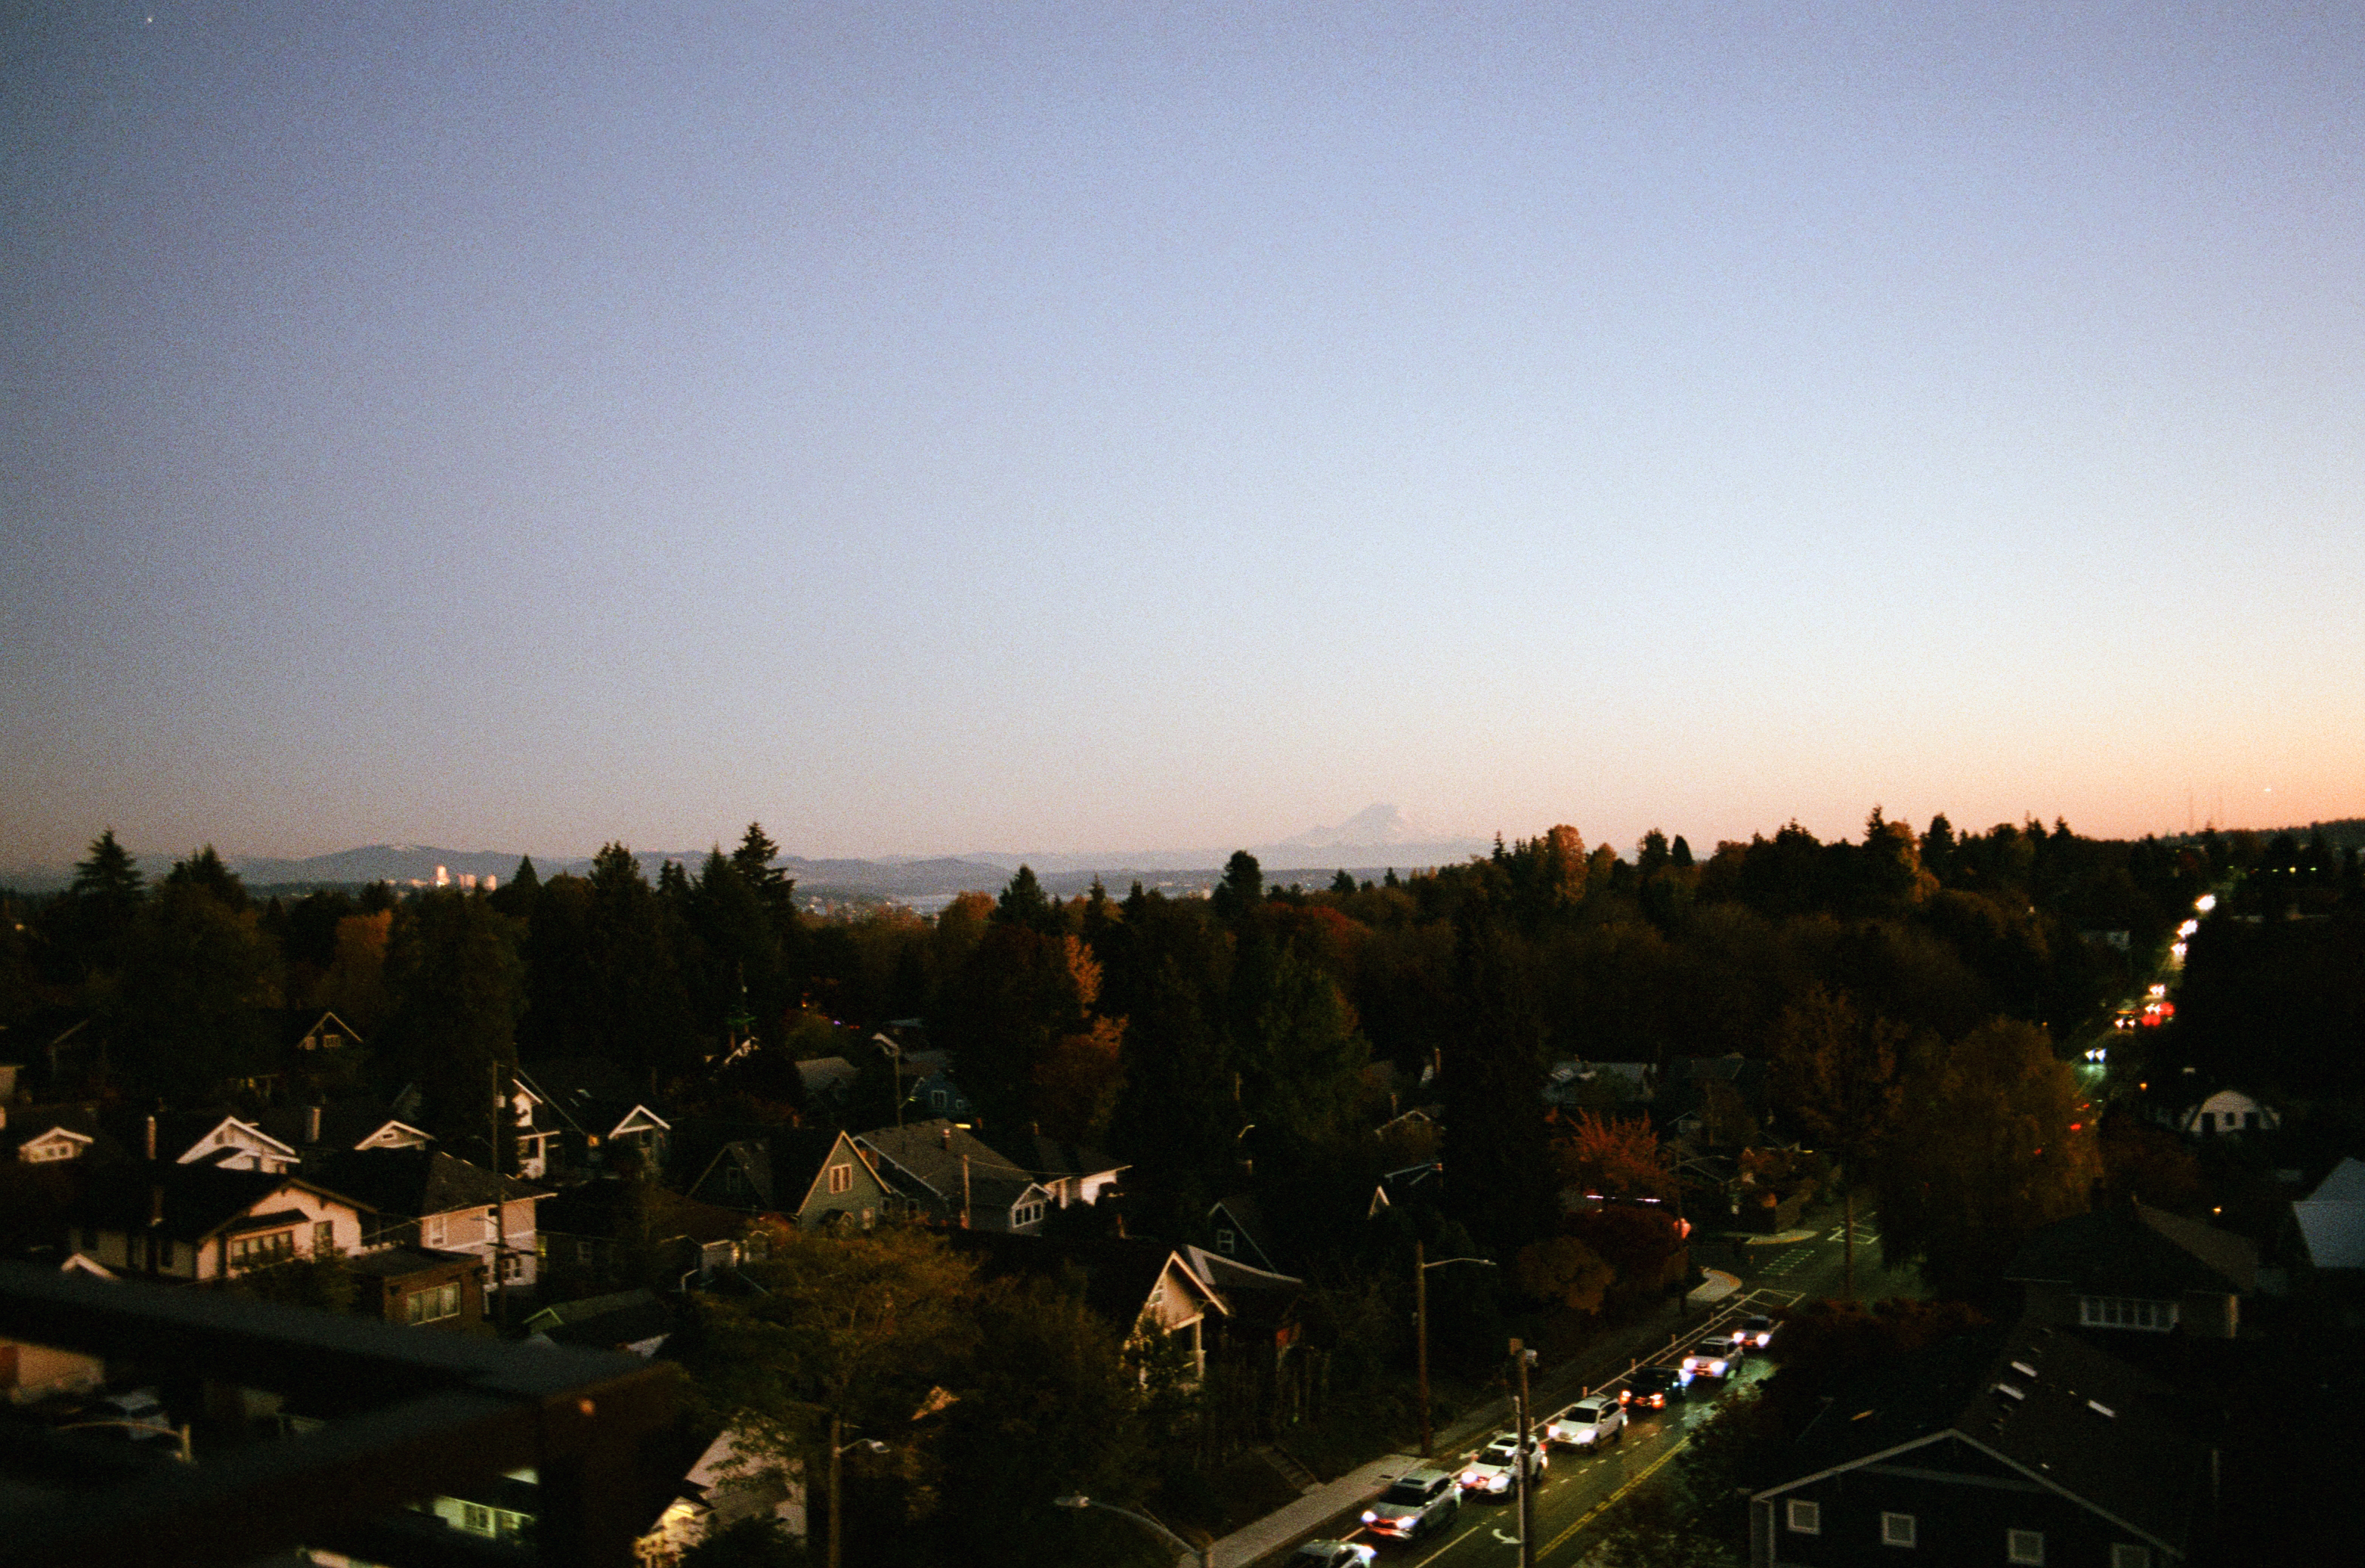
841,1179
476,1516
433,1303
2024,1546
1895,1529
2125,1556
324,1237
1804,1517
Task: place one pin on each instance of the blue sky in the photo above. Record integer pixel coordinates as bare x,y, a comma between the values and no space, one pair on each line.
1066,428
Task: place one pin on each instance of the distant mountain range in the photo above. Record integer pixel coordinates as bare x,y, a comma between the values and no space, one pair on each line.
1372,840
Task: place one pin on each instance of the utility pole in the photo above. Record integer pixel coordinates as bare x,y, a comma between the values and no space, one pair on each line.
500,1210
964,1191
1420,1314
837,1518
1525,1357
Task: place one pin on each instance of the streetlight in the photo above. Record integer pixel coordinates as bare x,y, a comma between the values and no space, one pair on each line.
836,1453
1421,1268
1205,1555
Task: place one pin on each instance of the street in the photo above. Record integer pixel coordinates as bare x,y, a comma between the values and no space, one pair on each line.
1580,1484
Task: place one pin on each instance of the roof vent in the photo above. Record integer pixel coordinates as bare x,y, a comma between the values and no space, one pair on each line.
2024,1369
2007,1388
2098,1409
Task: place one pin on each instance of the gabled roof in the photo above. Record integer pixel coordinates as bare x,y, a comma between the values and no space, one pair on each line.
824,1076
1119,1275
924,1163
1056,1161
193,1202
416,1183
595,1098
1246,1217
2136,1250
2332,1218
30,1124
344,1124
606,1322
783,1164
2037,1403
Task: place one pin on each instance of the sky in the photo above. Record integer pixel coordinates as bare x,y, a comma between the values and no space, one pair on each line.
933,429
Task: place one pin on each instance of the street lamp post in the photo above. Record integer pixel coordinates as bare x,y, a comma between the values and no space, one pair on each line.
1421,1268
1205,1555
836,1453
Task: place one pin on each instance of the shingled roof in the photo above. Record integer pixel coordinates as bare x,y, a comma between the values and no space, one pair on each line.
2038,1400
2135,1249
416,1183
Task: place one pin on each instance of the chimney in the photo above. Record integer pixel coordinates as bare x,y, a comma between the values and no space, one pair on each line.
311,1124
152,1138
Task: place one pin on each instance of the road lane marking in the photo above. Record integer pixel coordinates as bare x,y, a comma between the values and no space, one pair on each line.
1449,1546
1589,1515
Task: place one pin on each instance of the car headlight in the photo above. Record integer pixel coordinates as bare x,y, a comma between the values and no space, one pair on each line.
1370,1517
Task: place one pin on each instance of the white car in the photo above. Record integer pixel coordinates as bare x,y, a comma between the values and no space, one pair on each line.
1712,1357
1595,1421
1332,1555
1757,1332
1492,1470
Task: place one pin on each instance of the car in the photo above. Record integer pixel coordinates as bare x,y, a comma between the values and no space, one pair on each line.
1758,1331
1421,1501
1652,1388
1332,1555
140,1405
1595,1421
1712,1357
1493,1469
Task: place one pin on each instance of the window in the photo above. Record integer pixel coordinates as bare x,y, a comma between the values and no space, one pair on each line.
432,1230
513,1267
90,1238
1225,1241
2124,1312
2208,1121
324,1237
1895,1529
841,1179
433,1304
2024,1546
2125,1556
2250,1121
1804,1517
258,1251
477,1518
935,1099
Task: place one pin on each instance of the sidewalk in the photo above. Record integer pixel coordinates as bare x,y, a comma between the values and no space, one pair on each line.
1284,1526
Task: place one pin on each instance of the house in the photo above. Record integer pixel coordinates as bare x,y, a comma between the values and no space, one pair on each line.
427,1198
52,1134
322,1031
31,1372
1573,1084
725,1486
1071,1172
828,1082
1414,1183
929,1077
808,1175
2137,1268
609,1226
1143,1289
634,1321
2331,1219
216,1139
202,1222
314,1131
2227,1111
1239,1229
945,1174
2019,1446
594,1111
420,1287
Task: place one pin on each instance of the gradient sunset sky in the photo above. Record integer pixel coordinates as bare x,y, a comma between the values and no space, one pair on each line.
936,428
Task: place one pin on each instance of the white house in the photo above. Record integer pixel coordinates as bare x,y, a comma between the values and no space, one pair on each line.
2228,1111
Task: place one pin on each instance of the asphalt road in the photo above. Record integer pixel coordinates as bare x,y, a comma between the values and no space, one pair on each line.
1579,1484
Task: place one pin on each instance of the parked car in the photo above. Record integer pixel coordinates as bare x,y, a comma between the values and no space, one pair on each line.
1421,1502
1595,1421
1495,1469
1332,1555
141,1404
1712,1357
1652,1388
